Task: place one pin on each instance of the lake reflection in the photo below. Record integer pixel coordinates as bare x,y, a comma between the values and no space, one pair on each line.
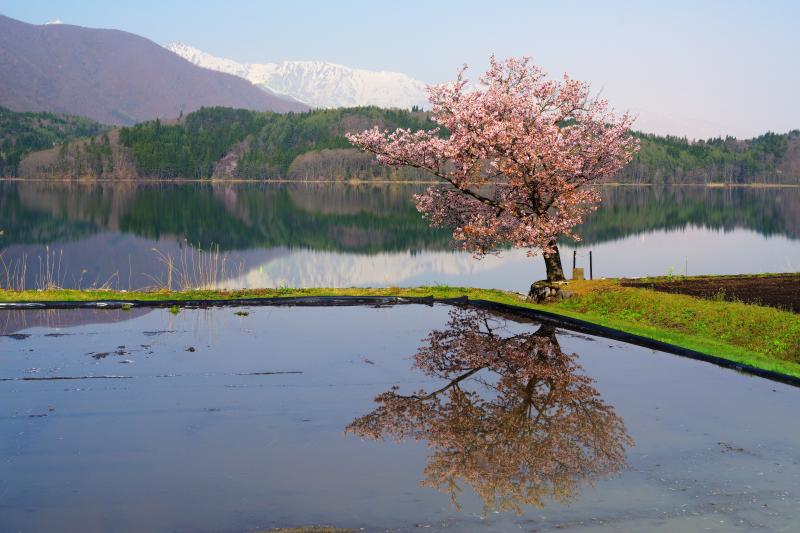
109,422
337,235
516,419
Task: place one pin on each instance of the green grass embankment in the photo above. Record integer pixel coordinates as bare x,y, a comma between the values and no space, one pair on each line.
754,335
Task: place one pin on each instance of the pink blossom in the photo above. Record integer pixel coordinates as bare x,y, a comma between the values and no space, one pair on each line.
519,159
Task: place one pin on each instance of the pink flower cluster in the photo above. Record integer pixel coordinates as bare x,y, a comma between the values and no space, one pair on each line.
519,156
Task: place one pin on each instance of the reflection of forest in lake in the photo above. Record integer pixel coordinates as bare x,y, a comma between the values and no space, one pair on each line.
369,219
109,229
631,210
365,218
515,418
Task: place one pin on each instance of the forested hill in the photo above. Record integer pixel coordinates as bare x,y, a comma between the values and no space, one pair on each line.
243,144
22,133
223,142
770,158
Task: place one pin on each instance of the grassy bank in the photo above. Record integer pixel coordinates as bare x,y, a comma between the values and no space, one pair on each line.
759,336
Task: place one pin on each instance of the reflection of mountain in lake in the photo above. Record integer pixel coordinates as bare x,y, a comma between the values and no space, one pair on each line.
513,417
310,268
12,320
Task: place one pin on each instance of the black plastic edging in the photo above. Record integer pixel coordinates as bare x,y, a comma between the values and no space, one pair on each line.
575,324
311,301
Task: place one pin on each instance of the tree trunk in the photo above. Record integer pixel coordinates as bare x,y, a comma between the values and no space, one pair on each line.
552,263
547,330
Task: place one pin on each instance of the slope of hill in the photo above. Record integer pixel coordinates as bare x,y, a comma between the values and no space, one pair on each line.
112,76
22,133
317,83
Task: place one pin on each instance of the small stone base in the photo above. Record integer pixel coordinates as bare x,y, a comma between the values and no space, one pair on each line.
548,291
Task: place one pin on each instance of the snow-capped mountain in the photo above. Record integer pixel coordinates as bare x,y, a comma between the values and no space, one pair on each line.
317,83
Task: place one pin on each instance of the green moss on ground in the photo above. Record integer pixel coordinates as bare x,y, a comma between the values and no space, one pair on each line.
759,336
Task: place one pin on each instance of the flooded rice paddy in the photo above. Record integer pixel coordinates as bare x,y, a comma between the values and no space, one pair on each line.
401,418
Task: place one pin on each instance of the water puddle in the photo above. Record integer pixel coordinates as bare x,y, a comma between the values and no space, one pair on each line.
387,419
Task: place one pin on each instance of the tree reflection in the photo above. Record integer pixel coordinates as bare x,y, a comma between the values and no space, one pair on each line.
516,419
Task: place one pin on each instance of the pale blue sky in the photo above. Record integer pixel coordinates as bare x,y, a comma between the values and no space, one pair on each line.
687,68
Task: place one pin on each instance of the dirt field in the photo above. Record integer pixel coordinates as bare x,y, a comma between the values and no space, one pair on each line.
778,290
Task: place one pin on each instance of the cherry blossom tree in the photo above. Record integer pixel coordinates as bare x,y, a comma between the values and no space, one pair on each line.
518,156
515,418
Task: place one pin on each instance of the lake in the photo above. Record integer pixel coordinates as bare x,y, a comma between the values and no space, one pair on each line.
301,235
377,418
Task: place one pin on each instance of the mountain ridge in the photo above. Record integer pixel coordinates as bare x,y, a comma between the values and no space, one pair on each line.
317,83
112,76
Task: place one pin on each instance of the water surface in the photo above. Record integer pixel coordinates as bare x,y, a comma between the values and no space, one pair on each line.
212,421
336,235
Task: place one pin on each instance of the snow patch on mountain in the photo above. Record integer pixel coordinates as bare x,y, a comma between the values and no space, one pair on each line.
318,83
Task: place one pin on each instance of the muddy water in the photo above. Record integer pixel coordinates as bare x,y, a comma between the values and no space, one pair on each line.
211,421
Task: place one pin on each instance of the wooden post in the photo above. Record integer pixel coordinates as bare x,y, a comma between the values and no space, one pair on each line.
574,258
591,274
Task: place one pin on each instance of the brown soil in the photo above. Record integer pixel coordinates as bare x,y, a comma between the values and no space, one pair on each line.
778,290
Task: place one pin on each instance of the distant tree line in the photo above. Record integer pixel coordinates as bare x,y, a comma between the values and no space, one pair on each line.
23,133
311,145
770,157
308,146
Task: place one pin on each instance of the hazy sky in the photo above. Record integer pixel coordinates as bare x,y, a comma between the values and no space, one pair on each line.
689,68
